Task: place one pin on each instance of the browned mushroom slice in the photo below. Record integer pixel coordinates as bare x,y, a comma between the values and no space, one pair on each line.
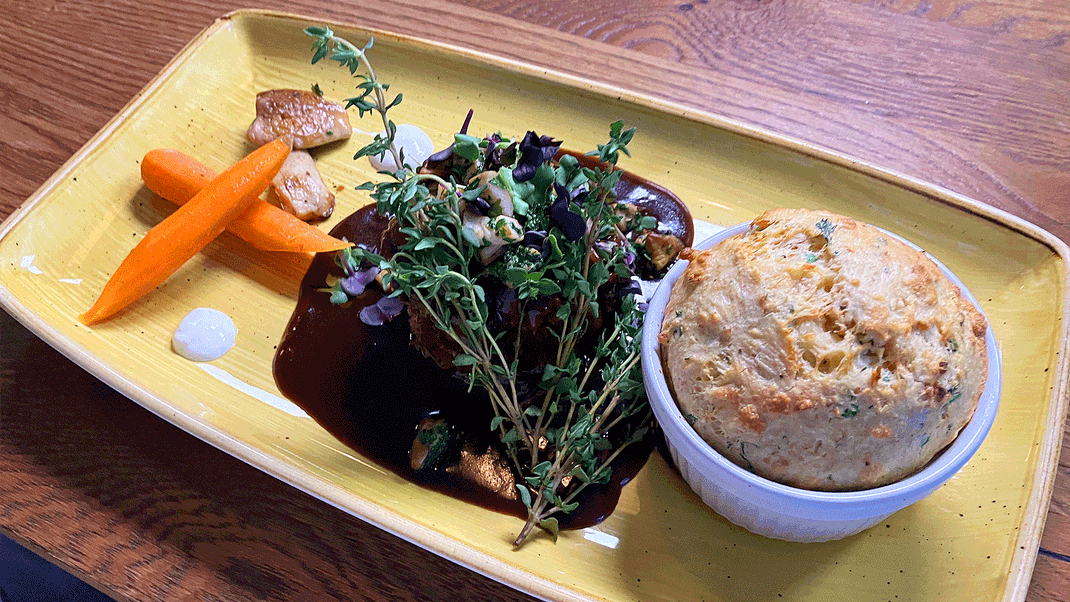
302,115
300,189
663,248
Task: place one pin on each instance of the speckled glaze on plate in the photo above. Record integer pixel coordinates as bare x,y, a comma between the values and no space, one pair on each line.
974,539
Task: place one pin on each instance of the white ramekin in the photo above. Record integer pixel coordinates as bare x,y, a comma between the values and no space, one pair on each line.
789,513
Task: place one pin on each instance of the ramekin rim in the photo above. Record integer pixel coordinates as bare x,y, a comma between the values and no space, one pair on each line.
934,474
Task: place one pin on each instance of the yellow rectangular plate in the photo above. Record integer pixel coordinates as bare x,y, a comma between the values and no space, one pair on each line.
974,539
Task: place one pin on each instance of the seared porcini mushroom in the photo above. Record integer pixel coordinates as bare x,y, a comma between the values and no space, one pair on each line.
300,189
663,248
304,116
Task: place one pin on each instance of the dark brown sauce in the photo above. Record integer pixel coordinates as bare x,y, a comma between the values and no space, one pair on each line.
370,388
673,216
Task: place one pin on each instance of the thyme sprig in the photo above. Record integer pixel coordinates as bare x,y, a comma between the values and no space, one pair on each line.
588,404
329,46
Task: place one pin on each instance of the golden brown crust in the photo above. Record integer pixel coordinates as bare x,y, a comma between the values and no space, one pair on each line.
822,353
304,117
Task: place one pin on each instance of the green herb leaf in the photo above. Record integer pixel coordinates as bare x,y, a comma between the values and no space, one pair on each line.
590,402
426,243
525,495
551,526
464,359
825,227
466,146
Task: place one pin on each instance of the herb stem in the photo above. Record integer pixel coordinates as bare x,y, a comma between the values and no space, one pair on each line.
555,444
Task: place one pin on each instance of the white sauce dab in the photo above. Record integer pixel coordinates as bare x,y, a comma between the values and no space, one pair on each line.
410,139
204,335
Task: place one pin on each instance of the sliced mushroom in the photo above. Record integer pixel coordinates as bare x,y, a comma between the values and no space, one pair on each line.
501,202
300,189
304,116
494,233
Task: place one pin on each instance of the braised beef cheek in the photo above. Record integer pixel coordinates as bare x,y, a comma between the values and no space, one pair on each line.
374,391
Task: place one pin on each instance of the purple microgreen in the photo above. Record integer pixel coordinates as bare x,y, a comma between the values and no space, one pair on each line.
347,262
439,157
632,288
439,162
605,247
354,284
499,156
382,311
534,151
390,306
572,224
480,205
534,238
372,315
467,121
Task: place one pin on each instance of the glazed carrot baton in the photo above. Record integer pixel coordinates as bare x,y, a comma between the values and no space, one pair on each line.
176,177
188,230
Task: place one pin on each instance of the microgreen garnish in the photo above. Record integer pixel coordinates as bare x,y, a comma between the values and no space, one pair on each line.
542,230
618,143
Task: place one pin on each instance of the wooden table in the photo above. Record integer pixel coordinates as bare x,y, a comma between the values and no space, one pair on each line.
973,96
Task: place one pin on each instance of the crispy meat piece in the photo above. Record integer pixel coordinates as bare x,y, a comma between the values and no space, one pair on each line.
305,117
300,189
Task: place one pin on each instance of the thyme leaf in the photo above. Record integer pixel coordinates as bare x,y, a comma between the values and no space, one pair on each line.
561,240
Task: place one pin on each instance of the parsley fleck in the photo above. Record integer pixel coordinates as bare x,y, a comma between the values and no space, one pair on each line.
742,454
825,227
956,394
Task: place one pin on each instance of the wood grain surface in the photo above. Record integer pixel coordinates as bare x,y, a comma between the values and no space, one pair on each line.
972,96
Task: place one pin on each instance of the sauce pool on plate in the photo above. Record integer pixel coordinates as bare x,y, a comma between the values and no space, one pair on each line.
377,393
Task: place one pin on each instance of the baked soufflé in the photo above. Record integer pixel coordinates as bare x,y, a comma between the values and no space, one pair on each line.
822,353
